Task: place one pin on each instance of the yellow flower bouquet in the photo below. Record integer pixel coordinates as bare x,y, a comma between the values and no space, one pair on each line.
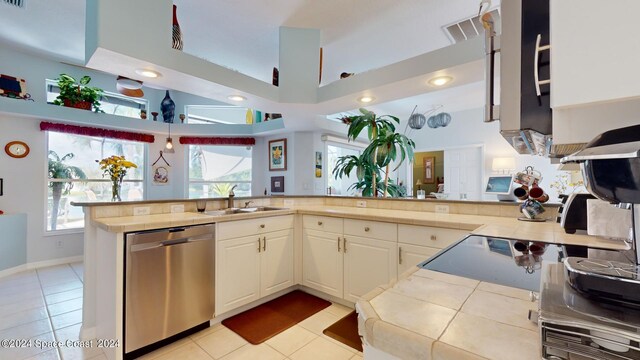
116,168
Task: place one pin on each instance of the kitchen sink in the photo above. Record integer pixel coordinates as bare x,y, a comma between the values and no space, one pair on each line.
242,210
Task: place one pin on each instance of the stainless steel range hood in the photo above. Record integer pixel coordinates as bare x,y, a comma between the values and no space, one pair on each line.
525,111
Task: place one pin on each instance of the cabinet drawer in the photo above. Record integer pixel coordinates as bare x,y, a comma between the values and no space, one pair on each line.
371,229
234,229
322,223
429,236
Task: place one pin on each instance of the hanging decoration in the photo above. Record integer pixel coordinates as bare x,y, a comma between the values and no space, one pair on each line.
160,171
90,131
177,33
192,140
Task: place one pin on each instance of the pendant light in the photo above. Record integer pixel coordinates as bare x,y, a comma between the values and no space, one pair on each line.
168,147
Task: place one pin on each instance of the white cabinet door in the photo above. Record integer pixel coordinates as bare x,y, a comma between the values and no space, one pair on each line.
237,272
367,263
411,255
322,262
277,262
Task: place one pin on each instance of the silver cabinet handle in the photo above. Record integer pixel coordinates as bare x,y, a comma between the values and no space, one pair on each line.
339,244
433,237
259,245
366,228
491,47
400,255
264,243
344,245
536,55
319,223
261,226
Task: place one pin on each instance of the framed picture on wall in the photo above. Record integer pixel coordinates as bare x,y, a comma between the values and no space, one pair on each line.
429,170
278,155
277,184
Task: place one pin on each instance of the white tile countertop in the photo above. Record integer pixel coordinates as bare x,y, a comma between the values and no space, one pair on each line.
432,315
496,226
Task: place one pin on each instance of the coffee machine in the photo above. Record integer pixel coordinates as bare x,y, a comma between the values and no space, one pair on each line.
610,166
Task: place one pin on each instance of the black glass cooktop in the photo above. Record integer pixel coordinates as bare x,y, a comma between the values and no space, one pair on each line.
513,263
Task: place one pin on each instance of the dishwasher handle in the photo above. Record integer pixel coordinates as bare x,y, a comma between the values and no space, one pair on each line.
172,242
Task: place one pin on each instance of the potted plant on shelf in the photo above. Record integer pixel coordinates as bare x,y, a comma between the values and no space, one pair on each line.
373,165
77,94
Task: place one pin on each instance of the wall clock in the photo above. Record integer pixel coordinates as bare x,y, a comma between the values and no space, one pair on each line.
17,149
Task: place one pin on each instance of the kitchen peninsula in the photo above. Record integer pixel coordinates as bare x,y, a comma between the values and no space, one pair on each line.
392,234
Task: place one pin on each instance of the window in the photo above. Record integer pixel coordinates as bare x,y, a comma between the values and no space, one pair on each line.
214,170
85,150
215,114
340,186
110,103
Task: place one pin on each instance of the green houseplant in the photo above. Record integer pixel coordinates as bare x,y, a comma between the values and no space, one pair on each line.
59,170
78,94
372,167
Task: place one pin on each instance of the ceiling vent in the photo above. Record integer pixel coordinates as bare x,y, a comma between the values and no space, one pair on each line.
469,28
18,3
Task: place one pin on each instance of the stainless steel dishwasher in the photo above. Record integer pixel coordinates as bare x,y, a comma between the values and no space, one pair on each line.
169,283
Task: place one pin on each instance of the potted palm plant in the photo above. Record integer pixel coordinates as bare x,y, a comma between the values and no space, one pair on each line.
78,94
375,161
59,170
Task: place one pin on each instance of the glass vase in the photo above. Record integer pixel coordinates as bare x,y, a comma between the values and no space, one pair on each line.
116,188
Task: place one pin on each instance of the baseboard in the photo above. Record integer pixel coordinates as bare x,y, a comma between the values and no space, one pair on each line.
40,264
13,270
53,262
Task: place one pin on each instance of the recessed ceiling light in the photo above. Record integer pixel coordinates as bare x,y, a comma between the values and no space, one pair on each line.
366,99
148,73
236,98
440,80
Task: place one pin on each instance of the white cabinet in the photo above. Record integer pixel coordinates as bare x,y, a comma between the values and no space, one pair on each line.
594,51
418,243
347,258
253,266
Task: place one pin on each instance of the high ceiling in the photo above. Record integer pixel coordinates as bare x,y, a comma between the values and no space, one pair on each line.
356,35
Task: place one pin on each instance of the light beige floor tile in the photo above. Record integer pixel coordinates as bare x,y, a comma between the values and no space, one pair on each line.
321,349
339,310
68,333
18,286
418,316
26,331
21,306
221,342
501,308
66,319
291,340
491,339
23,317
319,321
433,291
78,268
20,296
65,307
357,357
262,352
23,277
99,357
26,350
207,331
79,353
75,284
63,296
167,349
47,355
189,351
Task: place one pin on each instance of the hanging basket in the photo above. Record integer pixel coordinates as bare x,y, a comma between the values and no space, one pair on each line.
85,105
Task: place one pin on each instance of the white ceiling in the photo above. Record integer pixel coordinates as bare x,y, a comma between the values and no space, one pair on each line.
356,35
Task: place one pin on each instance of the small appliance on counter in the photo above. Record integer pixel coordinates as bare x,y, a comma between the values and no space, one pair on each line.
574,213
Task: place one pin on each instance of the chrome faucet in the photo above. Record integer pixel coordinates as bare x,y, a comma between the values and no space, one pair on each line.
247,203
231,195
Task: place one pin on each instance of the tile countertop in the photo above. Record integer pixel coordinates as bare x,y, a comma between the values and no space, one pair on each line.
495,226
432,315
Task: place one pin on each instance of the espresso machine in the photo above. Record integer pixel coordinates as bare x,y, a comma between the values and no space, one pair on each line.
590,308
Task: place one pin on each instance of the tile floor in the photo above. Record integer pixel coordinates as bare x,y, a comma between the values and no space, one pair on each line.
45,305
